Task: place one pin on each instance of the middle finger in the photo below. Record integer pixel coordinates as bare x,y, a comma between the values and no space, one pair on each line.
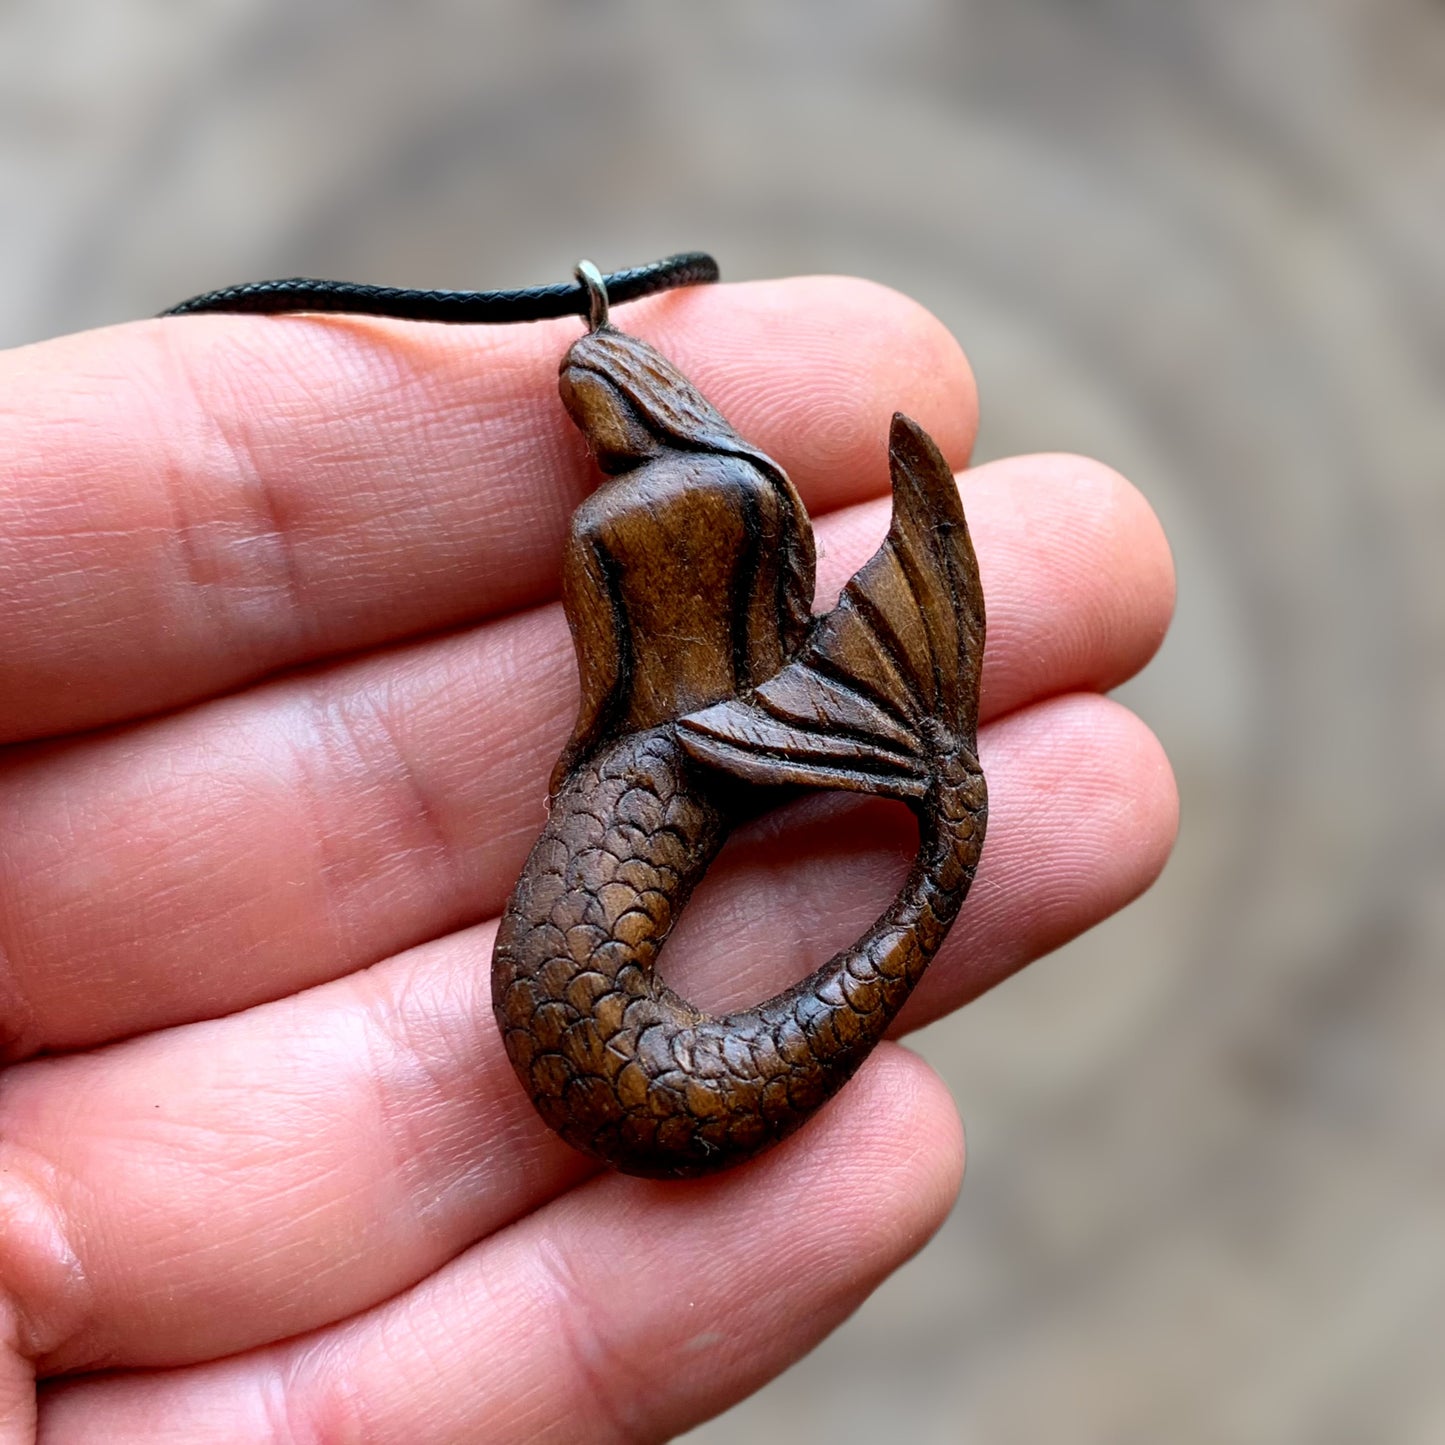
188,867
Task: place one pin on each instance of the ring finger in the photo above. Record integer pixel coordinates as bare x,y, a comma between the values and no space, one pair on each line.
222,1184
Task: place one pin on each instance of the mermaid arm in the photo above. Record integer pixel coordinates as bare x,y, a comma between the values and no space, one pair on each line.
796,562
599,634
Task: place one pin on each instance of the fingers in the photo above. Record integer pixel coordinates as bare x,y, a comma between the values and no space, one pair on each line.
228,1183
17,1385
190,503
625,1310
315,825
1075,865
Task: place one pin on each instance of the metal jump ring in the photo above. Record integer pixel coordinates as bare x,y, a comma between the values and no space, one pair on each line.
591,279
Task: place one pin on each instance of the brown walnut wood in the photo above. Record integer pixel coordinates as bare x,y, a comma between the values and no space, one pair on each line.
688,583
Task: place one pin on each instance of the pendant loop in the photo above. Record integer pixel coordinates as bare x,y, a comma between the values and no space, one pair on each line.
591,279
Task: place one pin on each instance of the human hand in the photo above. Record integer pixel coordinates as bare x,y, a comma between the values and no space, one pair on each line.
281,681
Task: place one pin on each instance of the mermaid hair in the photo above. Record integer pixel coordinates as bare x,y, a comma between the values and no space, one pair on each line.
678,414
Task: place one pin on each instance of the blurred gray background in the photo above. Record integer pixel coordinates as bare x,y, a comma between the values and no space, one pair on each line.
1204,241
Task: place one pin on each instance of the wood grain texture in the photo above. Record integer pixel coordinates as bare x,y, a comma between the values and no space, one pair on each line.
687,584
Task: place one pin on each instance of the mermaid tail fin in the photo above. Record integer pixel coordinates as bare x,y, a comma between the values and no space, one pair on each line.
887,682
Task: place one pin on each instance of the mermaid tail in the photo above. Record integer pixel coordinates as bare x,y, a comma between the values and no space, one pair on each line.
882,698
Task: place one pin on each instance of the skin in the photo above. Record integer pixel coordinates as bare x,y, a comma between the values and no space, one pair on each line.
263,1160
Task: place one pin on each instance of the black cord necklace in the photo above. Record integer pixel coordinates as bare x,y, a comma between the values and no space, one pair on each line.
532,303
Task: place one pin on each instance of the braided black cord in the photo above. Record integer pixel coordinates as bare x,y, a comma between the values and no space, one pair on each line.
535,303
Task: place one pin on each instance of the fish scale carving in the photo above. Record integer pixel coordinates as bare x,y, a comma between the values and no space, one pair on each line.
615,1061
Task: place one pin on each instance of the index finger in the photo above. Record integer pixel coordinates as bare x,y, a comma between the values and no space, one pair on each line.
190,503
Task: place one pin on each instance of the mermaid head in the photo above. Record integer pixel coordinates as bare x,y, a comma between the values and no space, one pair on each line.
630,403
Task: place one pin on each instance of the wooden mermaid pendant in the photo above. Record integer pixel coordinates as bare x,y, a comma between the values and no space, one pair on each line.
688,583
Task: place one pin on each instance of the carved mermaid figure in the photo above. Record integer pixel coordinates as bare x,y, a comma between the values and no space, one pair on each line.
688,584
